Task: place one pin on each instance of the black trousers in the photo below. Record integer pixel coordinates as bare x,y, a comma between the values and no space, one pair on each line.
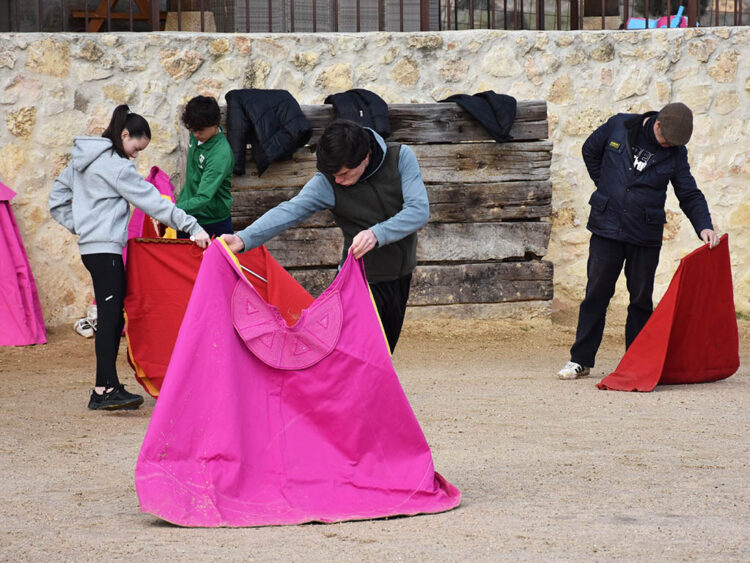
108,274
390,298
606,258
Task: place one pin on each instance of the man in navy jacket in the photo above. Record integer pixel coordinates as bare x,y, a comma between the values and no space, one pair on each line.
631,159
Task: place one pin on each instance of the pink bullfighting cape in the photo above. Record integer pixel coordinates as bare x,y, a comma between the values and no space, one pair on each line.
692,335
21,320
262,423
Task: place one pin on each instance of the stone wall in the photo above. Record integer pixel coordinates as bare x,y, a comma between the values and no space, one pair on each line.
57,86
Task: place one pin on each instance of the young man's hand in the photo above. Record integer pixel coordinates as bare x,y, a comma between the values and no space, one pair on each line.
363,242
710,237
234,242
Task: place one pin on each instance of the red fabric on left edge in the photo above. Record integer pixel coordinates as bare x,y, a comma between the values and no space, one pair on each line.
692,335
160,278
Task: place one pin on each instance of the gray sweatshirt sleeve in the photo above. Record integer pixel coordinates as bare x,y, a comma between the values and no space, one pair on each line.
316,195
147,198
416,209
61,199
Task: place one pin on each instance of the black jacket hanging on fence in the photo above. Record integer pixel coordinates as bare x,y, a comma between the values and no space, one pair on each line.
270,120
496,112
363,107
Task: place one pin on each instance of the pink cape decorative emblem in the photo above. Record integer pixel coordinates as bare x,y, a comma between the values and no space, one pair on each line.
261,423
267,335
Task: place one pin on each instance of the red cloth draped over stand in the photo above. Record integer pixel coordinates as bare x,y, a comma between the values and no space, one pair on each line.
691,336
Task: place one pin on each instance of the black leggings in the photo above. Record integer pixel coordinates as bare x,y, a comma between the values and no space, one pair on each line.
108,274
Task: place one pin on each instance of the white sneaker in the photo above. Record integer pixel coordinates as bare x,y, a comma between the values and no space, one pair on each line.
91,316
572,370
84,328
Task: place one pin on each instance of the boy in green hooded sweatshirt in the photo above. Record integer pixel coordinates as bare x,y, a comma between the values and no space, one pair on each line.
206,194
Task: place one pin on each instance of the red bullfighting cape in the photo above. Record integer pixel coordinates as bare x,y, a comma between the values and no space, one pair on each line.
691,337
21,320
262,423
160,277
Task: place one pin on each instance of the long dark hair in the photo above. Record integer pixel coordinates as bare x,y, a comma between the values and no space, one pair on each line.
122,119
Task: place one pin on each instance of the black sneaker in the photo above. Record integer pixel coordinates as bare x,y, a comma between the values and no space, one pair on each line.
116,398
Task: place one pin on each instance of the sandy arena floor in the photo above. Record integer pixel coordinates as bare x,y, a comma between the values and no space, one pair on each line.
549,470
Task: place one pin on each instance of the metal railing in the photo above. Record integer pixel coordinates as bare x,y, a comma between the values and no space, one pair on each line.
291,16
597,14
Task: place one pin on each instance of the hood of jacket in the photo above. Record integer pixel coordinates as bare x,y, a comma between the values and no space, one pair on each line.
87,149
369,171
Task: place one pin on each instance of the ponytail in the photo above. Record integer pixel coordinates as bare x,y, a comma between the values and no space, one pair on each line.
122,119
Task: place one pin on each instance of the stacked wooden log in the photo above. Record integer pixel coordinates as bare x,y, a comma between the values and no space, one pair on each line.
489,208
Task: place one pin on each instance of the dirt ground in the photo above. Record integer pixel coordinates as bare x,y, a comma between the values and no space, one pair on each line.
549,470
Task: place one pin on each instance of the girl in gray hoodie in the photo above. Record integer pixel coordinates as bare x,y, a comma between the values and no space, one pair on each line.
91,198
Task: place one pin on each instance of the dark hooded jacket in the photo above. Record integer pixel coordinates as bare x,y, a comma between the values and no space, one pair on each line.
496,112
270,120
363,107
